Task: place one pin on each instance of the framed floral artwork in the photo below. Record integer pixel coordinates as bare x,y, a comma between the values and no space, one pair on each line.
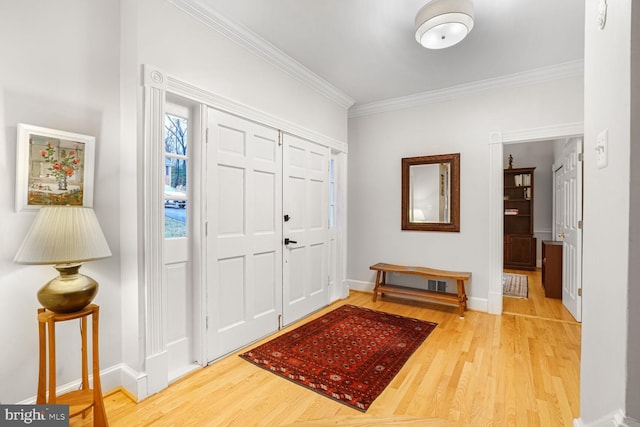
53,167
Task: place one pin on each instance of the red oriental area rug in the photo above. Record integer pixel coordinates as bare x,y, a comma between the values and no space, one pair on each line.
349,354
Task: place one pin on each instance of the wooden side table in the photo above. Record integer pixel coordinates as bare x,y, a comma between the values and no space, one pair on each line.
79,401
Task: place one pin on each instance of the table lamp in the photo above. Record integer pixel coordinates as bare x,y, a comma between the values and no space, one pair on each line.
65,236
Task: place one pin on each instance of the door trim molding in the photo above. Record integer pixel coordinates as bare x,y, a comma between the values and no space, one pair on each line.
219,102
156,363
497,140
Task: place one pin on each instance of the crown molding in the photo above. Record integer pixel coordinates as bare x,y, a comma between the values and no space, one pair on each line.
554,72
256,44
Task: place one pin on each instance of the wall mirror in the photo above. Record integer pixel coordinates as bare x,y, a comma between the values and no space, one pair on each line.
431,193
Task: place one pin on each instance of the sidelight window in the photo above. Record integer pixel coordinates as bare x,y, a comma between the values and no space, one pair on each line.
175,176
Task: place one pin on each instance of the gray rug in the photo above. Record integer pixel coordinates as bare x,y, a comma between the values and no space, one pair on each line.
515,285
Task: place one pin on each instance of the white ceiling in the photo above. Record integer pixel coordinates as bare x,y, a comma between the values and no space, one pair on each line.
367,49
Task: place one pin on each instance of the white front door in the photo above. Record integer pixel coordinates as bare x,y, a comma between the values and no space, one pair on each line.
572,234
244,232
306,192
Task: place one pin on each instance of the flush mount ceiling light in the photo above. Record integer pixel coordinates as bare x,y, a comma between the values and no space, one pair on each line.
443,23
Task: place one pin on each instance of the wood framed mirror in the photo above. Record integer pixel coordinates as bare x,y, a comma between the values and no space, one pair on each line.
431,193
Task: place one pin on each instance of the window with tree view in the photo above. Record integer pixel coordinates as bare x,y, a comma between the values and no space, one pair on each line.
175,176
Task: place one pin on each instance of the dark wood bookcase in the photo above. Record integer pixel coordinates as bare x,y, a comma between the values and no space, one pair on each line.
519,243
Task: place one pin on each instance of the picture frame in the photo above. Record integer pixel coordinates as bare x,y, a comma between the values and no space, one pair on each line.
53,167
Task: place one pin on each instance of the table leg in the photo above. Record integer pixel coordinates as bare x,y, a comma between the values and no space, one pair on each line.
41,399
99,413
85,366
462,298
377,285
51,326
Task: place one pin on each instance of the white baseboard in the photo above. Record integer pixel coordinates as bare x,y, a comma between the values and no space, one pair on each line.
494,303
478,304
614,419
157,372
110,379
179,373
358,285
134,382
113,377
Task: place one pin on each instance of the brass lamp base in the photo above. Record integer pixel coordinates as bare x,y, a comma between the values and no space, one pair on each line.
69,292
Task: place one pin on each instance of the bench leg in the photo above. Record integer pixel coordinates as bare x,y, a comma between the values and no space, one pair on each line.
375,288
462,298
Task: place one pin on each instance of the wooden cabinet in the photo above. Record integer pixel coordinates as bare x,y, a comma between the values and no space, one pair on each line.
519,252
519,243
552,268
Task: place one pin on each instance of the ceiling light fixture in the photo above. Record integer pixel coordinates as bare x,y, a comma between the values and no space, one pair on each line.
443,23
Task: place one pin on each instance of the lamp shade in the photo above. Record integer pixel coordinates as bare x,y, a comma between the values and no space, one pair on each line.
63,235
443,23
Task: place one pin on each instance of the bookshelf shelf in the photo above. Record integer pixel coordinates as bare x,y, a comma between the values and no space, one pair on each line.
519,243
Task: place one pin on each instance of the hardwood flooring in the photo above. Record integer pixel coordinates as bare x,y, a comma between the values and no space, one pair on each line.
484,370
536,305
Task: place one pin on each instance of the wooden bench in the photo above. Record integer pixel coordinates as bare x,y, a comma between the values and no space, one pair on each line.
460,298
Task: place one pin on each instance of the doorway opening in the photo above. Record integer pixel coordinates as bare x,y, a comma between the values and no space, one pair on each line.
531,262
545,202
500,145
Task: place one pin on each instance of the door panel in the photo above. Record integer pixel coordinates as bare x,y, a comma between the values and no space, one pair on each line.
572,247
231,290
306,192
244,240
265,271
231,186
558,203
179,299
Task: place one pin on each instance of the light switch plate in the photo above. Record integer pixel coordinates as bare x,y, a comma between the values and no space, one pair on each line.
602,149
602,14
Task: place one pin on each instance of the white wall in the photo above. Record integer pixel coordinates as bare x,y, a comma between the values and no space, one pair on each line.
59,70
606,262
378,142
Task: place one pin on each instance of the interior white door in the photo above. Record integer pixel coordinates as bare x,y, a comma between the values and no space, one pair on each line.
306,192
244,232
558,203
572,234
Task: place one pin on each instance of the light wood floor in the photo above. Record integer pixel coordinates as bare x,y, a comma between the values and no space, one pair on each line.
536,304
483,370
